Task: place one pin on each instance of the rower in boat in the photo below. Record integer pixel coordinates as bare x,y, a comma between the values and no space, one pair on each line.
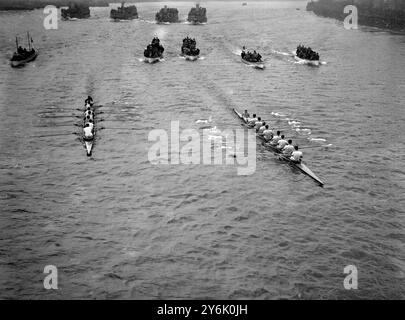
267,134
246,114
91,124
258,124
296,156
89,113
288,149
262,128
88,132
88,118
252,121
282,143
276,139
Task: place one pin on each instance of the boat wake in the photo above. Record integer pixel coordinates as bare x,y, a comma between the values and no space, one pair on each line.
148,21
255,66
122,20
317,139
237,51
291,54
209,120
295,125
146,60
287,54
192,23
191,58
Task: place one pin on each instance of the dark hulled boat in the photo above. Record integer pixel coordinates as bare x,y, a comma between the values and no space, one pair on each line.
23,55
124,13
189,49
167,15
76,11
252,58
197,15
307,55
154,51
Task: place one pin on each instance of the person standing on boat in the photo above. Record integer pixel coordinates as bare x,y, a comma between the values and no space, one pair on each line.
296,156
288,149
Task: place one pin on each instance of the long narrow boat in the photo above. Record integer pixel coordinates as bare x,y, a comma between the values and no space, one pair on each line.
300,166
88,143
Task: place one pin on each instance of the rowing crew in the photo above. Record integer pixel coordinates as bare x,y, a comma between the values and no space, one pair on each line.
88,121
277,141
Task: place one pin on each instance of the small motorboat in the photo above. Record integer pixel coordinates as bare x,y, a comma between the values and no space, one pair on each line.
23,55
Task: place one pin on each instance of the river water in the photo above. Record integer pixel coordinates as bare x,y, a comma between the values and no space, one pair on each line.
118,226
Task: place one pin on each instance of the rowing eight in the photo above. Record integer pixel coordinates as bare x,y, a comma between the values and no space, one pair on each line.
300,166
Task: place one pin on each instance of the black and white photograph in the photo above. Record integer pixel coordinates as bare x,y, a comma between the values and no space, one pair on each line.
202,151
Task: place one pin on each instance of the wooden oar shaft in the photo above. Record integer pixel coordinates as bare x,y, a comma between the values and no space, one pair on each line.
311,147
54,135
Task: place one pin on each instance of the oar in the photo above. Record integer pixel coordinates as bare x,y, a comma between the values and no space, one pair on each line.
93,107
110,128
44,115
310,147
54,135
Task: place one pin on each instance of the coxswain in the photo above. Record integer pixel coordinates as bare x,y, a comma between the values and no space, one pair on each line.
288,149
296,156
282,143
267,133
88,132
89,100
245,114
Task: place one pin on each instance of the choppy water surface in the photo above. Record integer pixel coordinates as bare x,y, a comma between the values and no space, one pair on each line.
117,226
